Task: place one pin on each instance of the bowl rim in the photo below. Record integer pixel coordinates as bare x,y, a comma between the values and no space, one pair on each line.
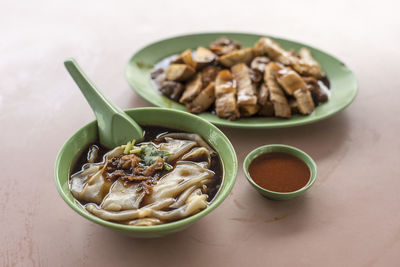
221,195
265,150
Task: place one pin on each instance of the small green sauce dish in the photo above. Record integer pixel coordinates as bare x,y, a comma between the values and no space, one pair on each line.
278,148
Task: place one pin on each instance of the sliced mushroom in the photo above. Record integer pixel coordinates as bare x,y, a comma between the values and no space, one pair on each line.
318,94
204,56
171,89
259,64
224,46
179,72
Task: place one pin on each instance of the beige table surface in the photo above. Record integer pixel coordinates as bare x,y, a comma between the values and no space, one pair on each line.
351,216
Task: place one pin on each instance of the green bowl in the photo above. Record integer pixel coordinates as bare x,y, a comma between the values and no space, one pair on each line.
149,116
282,149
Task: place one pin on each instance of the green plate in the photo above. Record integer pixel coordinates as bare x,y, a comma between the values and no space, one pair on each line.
342,80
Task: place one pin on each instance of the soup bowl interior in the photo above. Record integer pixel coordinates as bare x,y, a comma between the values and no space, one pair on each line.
178,120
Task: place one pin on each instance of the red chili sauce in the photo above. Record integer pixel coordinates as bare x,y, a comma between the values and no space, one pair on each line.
279,172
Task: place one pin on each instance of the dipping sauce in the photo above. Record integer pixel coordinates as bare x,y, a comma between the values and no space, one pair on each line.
279,172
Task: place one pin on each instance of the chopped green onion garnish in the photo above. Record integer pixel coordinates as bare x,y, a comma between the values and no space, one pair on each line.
128,147
135,151
167,166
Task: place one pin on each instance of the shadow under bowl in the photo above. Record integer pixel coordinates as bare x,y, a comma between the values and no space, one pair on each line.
281,149
163,117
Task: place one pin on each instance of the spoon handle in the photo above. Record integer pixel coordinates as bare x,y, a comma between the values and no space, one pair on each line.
115,126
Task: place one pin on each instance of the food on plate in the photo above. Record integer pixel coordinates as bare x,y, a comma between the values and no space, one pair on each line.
165,178
235,82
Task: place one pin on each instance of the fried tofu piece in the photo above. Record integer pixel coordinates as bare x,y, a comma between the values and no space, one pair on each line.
246,90
290,80
192,89
225,93
179,72
204,100
224,46
304,100
277,97
239,56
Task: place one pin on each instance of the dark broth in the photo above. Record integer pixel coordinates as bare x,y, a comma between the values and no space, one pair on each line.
279,172
151,133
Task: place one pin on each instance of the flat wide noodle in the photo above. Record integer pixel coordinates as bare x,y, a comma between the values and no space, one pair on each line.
185,175
123,197
176,147
177,194
90,185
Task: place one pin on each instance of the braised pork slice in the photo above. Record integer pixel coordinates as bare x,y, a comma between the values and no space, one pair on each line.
277,97
224,46
246,90
290,80
304,101
204,100
193,88
263,94
266,105
225,93
266,46
235,57
307,65
179,72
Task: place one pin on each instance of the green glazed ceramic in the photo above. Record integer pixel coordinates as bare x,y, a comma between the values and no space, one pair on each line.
115,127
282,149
343,81
149,116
